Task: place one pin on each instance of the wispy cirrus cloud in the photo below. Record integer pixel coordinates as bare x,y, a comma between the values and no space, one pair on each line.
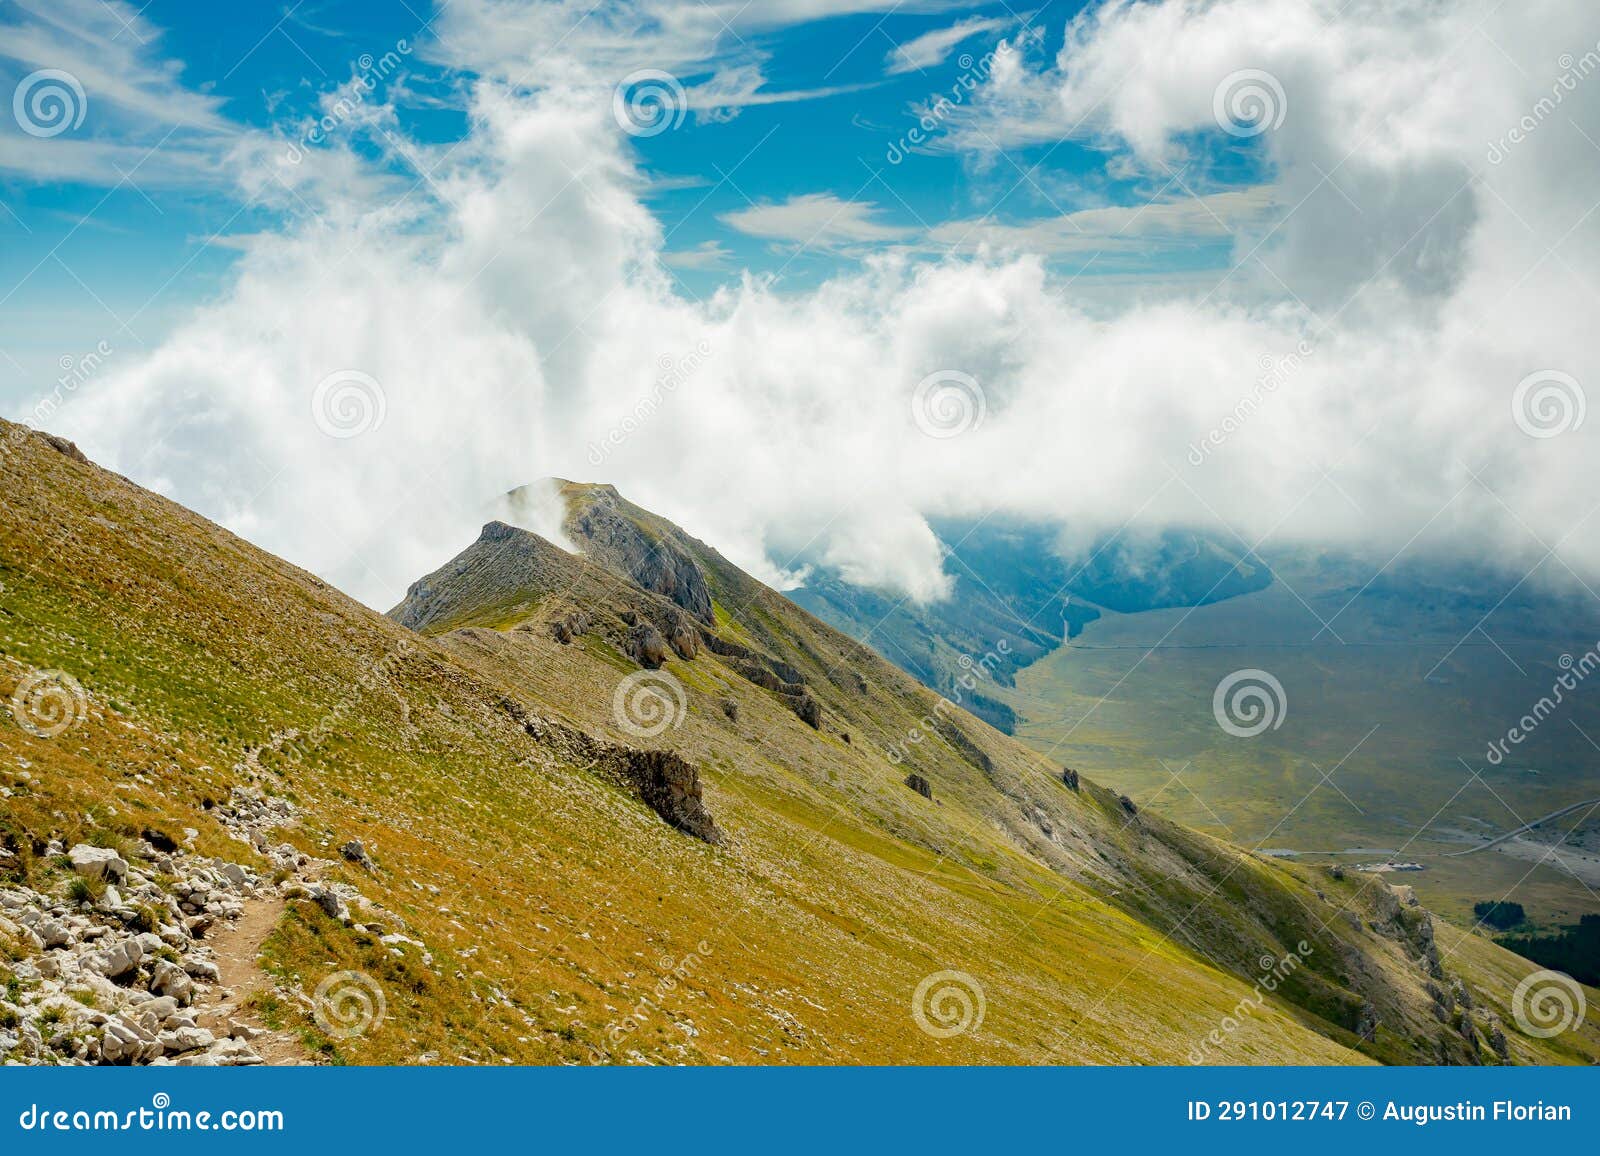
100,65
932,48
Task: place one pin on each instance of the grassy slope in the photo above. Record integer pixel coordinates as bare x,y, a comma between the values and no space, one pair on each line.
552,902
1133,717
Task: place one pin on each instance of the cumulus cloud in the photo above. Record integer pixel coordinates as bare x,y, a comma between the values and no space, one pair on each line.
1350,380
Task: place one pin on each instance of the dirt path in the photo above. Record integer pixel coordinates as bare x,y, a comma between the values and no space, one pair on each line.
238,948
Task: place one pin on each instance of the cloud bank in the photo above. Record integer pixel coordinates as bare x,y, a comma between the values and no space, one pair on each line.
1383,367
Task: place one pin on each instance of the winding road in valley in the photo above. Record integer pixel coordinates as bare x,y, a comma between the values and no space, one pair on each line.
1495,842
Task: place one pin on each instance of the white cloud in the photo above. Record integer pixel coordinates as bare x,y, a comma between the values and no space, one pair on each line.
529,312
931,48
120,98
821,220
707,255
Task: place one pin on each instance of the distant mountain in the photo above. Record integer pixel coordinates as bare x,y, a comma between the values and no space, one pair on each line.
620,805
1016,596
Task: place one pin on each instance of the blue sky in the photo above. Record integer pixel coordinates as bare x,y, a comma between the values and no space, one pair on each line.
357,268
124,251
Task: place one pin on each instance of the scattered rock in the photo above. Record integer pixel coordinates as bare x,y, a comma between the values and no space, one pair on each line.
98,863
357,854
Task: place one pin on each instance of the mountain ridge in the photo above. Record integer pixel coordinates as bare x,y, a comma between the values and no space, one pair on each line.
805,932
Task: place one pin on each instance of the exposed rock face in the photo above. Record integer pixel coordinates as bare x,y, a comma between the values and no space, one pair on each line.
1070,778
668,785
920,785
664,781
620,545
1128,805
681,635
769,674
646,646
570,626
